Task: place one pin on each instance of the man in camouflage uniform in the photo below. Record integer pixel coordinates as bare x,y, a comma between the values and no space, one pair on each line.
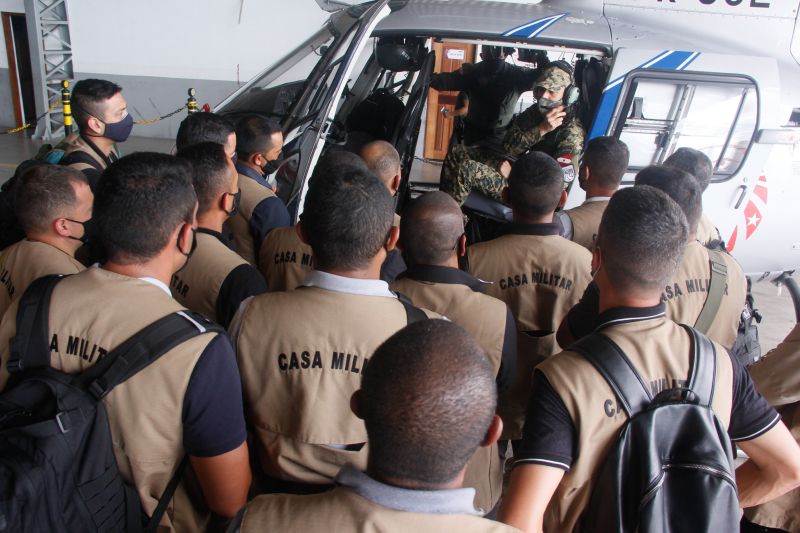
548,126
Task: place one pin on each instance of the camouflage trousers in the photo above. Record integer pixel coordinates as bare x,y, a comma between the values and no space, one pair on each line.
466,169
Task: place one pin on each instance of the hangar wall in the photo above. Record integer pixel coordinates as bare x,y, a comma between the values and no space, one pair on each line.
157,49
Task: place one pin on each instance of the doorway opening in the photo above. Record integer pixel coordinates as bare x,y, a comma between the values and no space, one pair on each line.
15,30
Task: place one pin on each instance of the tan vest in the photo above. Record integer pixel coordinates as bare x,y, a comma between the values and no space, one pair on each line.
540,277
686,294
777,378
659,349
585,221
253,194
90,315
484,318
197,285
342,509
706,230
25,261
75,143
301,354
284,259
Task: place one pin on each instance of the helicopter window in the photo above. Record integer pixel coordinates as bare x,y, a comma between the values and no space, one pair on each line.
662,112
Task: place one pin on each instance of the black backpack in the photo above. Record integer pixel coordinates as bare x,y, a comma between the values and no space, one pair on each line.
58,472
10,230
671,468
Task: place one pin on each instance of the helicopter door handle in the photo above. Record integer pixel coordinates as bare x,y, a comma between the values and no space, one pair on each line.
743,189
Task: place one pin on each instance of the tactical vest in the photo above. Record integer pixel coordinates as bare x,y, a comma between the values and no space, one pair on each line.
484,318
342,509
585,221
284,259
540,277
659,350
253,194
301,355
777,378
75,143
686,294
90,315
25,261
197,285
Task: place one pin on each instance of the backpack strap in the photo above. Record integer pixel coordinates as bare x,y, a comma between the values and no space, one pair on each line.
616,368
413,314
30,347
166,497
702,375
81,157
144,348
716,289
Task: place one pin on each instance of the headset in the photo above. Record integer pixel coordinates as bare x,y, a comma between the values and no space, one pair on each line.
571,92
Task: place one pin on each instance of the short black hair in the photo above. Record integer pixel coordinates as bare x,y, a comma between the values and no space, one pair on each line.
535,184
88,97
209,172
430,228
679,185
428,397
45,193
642,237
203,127
607,158
382,159
694,162
254,135
347,215
139,202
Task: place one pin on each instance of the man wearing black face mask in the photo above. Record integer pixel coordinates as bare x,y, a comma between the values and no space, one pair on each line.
101,114
54,208
259,142
215,279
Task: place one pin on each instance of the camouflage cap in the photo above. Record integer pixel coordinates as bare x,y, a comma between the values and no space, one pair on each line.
554,79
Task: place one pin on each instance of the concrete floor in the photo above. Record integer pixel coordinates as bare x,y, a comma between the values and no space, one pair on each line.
775,304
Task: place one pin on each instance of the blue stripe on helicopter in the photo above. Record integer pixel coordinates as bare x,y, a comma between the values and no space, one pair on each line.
534,27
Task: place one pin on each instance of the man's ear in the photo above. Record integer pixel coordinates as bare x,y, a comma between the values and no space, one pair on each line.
395,184
391,241
184,238
494,432
504,195
462,246
597,259
355,404
95,125
60,227
226,202
563,200
301,233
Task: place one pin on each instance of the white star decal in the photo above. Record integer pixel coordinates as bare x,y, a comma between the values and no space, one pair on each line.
753,220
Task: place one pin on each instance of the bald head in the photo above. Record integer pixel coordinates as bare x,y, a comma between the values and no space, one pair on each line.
430,229
383,161
428,397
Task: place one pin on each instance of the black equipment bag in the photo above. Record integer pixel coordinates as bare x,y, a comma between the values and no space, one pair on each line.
58,472
671,468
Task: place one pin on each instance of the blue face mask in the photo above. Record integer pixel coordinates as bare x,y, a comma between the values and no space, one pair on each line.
119,131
